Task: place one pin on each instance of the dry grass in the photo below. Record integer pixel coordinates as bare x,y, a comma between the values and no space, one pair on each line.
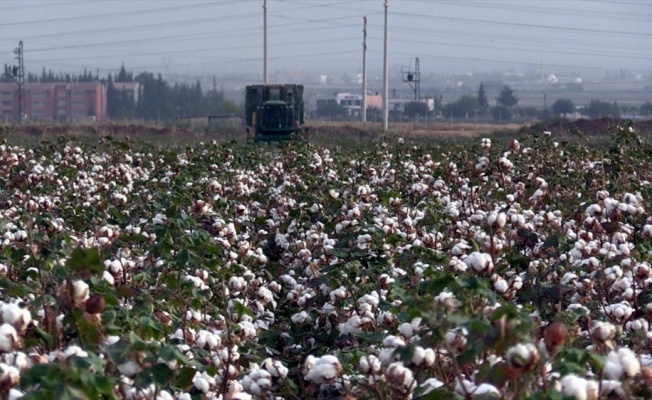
423,130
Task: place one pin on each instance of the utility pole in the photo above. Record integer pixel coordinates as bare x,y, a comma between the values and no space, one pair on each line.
265,76
385,78
364,70
18,71
413,78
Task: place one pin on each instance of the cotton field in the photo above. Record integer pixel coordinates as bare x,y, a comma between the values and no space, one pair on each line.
494,269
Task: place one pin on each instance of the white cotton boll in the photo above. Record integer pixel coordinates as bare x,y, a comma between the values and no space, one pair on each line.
240,396
398,376
264,383
573,385
369,364
418,356
129,368
207,340
19,317
17,359
309,363
106,275
612,368
431,384
637,325
254,389
164,395
386,356
300,318
9,338
274,368
501,286
393,341
479,262
10,375
80,291
74,351
115,267
15,394
486,389
200,383
406,330
463,387
496,220
602,331
523,355
325,370
265,295
429,357
111,339
611,388
630,363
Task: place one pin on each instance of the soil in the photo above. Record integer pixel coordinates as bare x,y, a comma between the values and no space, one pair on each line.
135,130
352,130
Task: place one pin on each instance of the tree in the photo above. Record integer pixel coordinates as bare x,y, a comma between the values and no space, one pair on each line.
329,108
464,107
507,97
601,109
415,108
646,108
563,106
502,113
123,75
483,102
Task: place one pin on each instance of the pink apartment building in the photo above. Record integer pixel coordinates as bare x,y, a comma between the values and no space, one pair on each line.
61,102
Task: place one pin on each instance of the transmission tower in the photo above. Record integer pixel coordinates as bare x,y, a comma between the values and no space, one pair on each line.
18,72
413,78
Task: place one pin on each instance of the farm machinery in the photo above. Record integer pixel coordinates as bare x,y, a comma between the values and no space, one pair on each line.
274,112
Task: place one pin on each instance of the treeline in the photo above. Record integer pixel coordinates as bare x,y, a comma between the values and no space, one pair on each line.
158,100
153,99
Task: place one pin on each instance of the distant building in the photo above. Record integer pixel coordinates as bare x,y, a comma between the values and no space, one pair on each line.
60,102
132,89
353,102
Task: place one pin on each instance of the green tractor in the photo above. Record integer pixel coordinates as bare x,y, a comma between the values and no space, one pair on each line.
274,112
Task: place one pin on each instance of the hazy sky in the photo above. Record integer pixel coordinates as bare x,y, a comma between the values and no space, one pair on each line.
325,36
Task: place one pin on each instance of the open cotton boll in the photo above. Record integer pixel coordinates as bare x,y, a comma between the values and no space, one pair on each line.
573,385
275,368
9,339
479,262
496,220
486,389
431,384
80,292
369,364
325,370
15,394
10,375
524,356
622,362
129,368
19,317
400,377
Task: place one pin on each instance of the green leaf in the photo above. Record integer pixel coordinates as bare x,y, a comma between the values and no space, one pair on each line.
86,261
183,257
184,378
161,374
241,309
552,241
